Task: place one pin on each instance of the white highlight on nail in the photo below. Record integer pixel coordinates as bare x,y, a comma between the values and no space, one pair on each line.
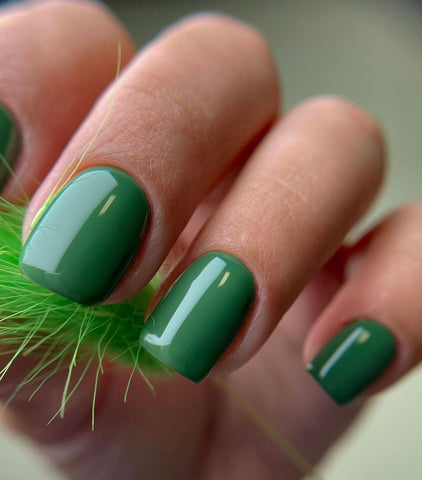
342,349
193,295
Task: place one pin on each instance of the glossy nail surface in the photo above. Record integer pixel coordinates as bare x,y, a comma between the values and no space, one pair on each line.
9,144
353,359
200,315
88,236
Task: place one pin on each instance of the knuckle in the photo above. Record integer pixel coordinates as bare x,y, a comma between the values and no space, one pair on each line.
408,213
61,7
332,104
339,108
349,123
218,20
56,5
251,37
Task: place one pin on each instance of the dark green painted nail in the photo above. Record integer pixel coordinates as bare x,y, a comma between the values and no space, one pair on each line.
353,359
9,144
87,238
200,315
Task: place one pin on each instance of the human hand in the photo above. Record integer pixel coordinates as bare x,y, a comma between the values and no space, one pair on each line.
186,113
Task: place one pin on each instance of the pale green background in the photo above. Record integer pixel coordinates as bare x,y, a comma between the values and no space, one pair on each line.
370,52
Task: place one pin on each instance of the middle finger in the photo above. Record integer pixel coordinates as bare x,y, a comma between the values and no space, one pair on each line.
183,112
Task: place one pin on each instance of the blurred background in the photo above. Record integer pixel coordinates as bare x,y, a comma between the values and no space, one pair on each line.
370,52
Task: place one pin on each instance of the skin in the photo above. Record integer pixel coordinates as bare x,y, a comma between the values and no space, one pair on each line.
208,92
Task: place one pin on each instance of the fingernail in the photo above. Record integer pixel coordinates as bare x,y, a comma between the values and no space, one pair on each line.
200,315
9,144
86,239
353,359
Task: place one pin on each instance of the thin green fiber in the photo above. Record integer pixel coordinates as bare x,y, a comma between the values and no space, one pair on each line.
58,333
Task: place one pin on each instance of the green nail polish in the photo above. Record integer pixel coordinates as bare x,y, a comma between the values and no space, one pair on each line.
9,144
88,236
200,315
353,359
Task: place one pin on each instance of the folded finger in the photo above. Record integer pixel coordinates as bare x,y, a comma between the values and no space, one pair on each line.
305,185
56,58
371,333
182,114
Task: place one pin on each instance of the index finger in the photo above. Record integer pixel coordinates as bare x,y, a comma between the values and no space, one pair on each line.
56,58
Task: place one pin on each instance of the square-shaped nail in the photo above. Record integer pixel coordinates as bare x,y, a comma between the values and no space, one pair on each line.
200,315
86,239
353,359
9,144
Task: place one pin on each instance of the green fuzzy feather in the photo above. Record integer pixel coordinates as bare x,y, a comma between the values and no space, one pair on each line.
57,332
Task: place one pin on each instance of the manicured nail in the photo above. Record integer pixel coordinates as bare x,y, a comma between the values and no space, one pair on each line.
200,315
9,144
353,359
86,239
